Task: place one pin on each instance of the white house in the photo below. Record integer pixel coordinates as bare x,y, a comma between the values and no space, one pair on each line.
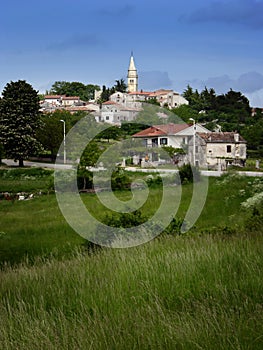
168,98
175,135
53,100
114,113
67,101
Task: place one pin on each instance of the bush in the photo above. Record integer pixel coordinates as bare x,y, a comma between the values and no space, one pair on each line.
174,227
125,220
153,181
189,173
120,181
254,219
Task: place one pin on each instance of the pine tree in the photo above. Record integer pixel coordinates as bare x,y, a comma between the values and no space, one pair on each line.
19,120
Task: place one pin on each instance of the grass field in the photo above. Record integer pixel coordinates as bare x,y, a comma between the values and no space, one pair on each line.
201,290
173,293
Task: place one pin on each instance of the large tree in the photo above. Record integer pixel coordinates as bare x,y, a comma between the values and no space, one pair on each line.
85,92
120,85
50,134
19,120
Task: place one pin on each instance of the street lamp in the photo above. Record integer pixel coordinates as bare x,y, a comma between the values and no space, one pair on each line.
64,138
193,120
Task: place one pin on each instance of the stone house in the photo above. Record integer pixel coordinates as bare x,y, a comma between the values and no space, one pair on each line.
217,150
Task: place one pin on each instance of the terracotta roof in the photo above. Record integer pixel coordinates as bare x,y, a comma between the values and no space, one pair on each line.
140,93
70,97
79,108
158,130
109,103
159,93
226,137
52,97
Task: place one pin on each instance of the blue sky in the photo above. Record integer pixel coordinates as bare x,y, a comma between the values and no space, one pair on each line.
202,43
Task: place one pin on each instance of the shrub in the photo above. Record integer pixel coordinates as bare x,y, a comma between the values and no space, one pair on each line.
254,219
174,227
120,180
189,173
125,220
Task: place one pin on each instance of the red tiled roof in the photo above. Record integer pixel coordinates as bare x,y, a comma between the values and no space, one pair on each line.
70,97
158,130
226,137
52,97
78,108
140,93
109,103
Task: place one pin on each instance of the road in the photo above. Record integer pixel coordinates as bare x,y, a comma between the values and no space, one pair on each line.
10,162
27,163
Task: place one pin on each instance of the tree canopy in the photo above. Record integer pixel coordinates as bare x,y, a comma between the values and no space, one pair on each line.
85,92
19,120
119,86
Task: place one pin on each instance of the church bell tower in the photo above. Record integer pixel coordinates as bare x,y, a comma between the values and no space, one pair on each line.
132,76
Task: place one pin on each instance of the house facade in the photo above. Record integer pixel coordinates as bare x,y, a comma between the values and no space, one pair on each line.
168,98
114,113
217,150
175,135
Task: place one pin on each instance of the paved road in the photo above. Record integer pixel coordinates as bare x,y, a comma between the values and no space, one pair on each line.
10,162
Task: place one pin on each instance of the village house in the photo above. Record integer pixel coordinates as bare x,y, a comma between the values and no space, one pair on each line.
114,113
62,101
126,105
175,135
168,98
217,150
53,100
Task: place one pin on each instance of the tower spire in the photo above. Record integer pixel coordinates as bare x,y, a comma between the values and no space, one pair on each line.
132,76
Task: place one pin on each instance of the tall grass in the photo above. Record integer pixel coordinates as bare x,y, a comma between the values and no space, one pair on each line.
36,227
173,293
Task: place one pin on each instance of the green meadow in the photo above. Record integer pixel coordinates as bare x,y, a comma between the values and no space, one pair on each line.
198,290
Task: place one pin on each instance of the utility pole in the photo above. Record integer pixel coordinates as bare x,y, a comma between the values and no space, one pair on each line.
194,132
64,139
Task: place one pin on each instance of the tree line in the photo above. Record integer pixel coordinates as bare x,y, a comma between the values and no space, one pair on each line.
225,112
86,92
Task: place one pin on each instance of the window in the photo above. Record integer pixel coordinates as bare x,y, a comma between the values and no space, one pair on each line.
107,117
228,148
163,141
196,149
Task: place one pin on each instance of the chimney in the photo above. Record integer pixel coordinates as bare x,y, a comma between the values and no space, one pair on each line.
236,137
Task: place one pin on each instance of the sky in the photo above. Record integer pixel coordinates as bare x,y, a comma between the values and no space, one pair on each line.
217,44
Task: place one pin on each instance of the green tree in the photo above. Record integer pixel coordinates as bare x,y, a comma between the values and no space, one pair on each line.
111,133
19,120
84,92
185,112
193,97
120,85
